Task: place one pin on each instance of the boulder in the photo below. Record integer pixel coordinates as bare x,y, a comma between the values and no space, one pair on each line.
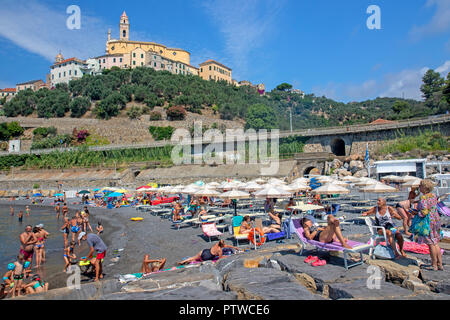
415,284
266,284
356,164
343,173
361,173
397,270
336,164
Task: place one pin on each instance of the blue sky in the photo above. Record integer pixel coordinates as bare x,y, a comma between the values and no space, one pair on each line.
322,47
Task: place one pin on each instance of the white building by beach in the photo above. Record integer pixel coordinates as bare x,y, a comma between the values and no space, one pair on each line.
412,167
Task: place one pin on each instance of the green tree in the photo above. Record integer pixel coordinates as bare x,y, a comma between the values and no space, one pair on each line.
432,82
446,90
260,116
400,106
79,106
134,112
284,87
14,128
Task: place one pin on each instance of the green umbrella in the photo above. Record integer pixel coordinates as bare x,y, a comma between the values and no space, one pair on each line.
84,192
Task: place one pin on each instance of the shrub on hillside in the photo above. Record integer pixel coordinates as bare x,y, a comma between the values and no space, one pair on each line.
10,130
161,133
155,116
134,112
43,132
176,113
79,106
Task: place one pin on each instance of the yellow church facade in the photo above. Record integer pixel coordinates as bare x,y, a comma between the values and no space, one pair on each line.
126,46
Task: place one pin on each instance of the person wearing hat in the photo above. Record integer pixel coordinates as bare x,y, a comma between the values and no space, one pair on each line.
41,236
97,244
8,280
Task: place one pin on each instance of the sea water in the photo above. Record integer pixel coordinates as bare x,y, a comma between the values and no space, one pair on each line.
11,228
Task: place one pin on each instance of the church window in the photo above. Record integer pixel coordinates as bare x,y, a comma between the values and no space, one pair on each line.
124,33
114,60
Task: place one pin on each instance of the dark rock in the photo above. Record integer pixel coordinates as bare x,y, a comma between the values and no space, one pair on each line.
182,293
266,284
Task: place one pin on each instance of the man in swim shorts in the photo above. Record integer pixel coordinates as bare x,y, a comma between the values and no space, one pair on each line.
27,240
97,244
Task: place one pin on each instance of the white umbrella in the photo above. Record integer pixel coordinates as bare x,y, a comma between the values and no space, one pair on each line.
177,189
297,186
235,194
407,178
392,178
350,178
301,180
339,183
207,192
331,189
366,182
306,206
276,181
213,184
259,180
272,192
252,186
412,183
379,188
190,189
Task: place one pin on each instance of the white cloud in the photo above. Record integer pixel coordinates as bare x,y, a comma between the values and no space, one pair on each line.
440,22
42,30
245,26
406,82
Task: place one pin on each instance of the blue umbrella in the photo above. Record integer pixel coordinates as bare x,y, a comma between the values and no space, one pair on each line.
37,195
95,190
98,195
114,195
58,195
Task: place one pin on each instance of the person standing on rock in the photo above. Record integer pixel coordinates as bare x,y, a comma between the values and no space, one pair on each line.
95,243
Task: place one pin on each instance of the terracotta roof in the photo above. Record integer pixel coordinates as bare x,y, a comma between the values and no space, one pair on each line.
8,90
212,61
68,60
382,121
28,82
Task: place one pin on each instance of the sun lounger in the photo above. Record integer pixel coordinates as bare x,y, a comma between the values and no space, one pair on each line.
210,230
357,247
235,226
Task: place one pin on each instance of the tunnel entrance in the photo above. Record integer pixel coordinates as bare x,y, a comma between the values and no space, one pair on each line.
311,170
338,147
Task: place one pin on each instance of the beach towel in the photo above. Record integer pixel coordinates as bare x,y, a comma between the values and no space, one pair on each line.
415,247
443,209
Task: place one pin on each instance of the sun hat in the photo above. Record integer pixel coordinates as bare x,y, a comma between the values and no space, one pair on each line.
81,235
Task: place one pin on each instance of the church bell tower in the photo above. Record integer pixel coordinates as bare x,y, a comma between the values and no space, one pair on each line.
124,27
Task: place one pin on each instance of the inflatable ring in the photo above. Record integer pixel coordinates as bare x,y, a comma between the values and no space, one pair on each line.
251,236
137,219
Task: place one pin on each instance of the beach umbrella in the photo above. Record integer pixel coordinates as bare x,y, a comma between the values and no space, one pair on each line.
392,178
58,195
301,180
407,178
298,186
96,189
252,186
98,195
331,189
177,189
275,181
379,188
235,195
207,192
114,195
190,189
350,178
259,181
306,206
84,192
412,183
339,183
199,183
212,185
37,195
271,191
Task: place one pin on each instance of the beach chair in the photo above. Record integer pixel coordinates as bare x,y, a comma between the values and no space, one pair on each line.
375,238
357,247
235,226
210,230
270,236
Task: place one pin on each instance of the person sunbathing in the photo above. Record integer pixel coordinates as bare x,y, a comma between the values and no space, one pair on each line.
245,226
332,232
383,218
216,252
156,265
275,223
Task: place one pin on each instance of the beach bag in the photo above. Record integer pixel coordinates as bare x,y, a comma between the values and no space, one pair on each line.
443,209
420,226
384,252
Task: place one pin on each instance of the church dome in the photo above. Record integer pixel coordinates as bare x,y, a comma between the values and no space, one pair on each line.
59,58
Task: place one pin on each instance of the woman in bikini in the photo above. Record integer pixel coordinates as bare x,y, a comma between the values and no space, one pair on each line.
209,254
38,246
75,228
329,234
403,208
69,256
245,226
36,285
275,223
65,229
